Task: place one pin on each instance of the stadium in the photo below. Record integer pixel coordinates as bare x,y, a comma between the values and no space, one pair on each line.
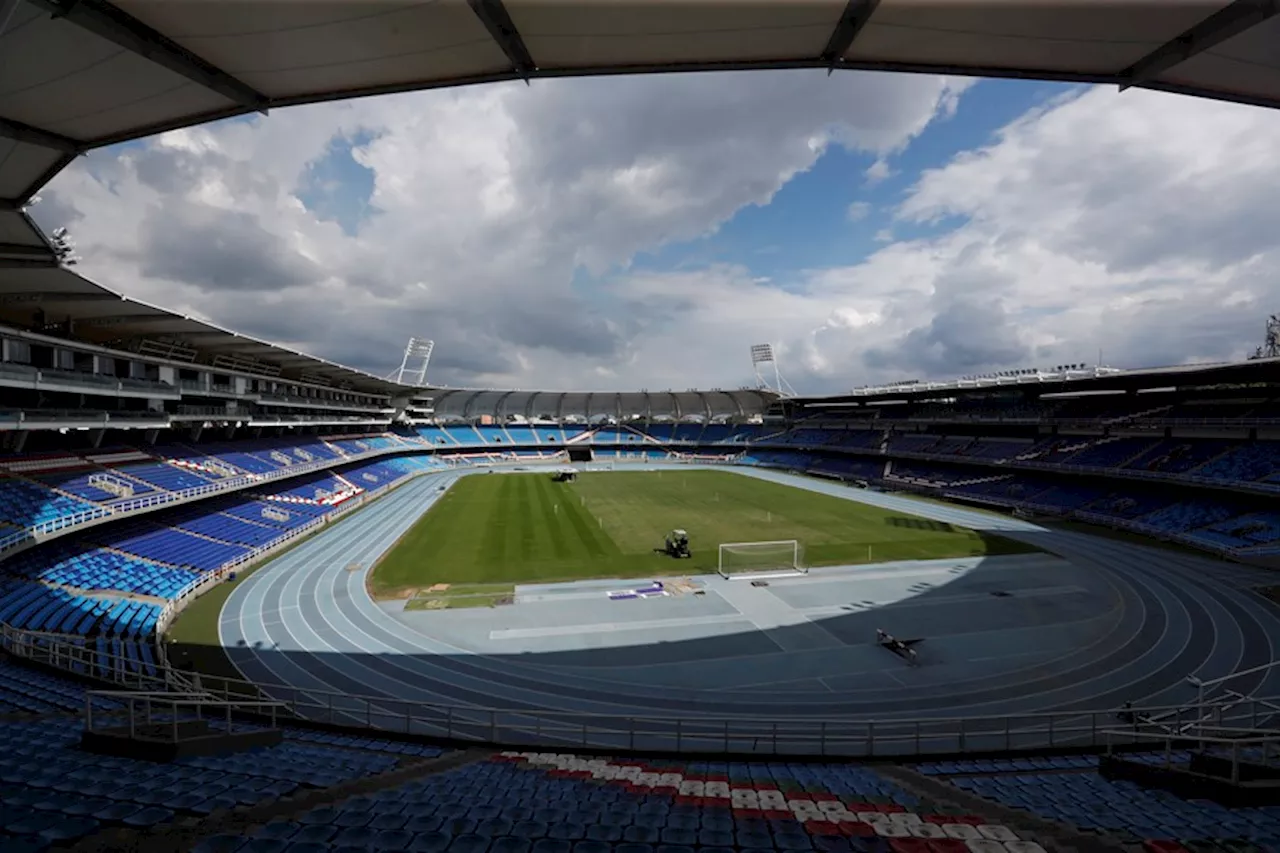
255,600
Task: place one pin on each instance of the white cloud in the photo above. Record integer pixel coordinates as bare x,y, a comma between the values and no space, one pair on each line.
878,172
858,211
486,202
1139,222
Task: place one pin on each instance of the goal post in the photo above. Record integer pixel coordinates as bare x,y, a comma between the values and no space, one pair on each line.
779,558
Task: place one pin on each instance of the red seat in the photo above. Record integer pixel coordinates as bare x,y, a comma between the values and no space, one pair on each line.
948,845
1152,845
908,845
857,829
821,827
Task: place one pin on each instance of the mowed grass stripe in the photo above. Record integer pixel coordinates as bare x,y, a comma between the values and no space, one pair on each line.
504,528
556,526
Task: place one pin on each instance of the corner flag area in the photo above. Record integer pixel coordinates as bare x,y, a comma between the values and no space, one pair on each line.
524,528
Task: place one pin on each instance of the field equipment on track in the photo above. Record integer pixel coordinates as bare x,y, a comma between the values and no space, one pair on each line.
904,649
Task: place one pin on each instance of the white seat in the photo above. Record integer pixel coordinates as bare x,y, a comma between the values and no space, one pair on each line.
1023,847
926,830
985,845
962,831
888,829
997,833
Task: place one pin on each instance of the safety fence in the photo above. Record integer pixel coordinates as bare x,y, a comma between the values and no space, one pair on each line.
539,728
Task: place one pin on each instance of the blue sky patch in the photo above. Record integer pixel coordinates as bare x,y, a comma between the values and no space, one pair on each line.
336,188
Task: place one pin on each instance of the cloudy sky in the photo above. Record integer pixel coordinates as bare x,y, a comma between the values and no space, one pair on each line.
643,232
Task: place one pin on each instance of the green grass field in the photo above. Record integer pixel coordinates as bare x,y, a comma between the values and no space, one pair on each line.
507,528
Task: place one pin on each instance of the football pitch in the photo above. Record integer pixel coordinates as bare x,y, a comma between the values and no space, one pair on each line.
489,532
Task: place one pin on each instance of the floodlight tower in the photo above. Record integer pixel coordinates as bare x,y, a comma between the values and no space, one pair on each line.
418,349
1271,345
762,358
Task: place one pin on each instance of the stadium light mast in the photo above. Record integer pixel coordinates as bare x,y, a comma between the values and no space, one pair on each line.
762,358
418,349
1271,343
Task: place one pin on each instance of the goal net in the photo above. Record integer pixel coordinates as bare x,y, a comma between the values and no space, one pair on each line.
778,558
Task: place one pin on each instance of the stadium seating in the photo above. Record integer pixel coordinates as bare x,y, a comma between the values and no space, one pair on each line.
520,803
1072,792
1246,463
54,794
77,587
27,504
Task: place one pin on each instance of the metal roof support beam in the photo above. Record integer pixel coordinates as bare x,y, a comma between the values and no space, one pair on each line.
28,263
706,407
121,319
855,17
45,297
25,251
503,30
34,136
1226,23
500,406
106,21
7,8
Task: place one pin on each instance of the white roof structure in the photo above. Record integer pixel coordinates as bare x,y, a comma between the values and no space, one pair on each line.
473,403
81,74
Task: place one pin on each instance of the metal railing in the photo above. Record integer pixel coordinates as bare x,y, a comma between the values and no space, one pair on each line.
548,729
38,377
1236,744
163,713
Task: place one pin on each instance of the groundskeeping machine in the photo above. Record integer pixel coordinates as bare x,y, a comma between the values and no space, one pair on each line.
677,545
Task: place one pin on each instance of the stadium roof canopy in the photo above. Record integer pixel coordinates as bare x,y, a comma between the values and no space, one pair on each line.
470,403
80,74
1183,377
109,319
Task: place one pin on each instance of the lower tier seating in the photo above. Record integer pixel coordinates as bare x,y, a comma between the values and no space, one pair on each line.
546,803
111,584
1073,793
